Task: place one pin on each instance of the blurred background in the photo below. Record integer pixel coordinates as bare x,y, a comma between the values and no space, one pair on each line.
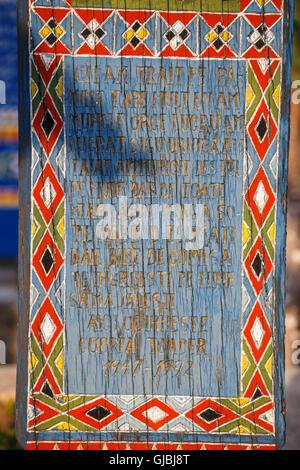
9,234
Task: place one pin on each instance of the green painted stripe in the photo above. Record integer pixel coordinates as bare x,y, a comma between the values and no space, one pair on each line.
244,423
175,5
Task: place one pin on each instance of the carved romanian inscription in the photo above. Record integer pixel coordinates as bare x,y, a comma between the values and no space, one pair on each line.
144,309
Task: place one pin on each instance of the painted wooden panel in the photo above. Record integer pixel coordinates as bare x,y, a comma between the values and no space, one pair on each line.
154,143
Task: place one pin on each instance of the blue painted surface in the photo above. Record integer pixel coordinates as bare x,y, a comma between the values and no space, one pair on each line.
202,311
25,231
279,325
151,437
8,147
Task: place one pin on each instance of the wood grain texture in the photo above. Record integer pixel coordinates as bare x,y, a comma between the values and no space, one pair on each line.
136,334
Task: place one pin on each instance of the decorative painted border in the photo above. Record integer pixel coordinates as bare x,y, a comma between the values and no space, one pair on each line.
119,446
50,411
140,33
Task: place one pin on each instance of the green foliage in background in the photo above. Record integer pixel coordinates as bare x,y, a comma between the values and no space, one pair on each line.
8,439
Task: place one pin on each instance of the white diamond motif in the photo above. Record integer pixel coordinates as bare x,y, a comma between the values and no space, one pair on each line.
177,35
267,37
47,328
268,416
48,193
254,36
257,333
155,414
264,64
93,38
260,197
178,26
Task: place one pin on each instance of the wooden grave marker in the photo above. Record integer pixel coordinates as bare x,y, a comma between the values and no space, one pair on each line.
153,171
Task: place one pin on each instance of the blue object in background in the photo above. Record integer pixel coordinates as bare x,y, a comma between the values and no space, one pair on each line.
9,52
8,219
8,131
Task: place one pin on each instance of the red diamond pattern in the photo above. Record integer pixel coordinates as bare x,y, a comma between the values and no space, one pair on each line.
260,213
54,195
47,141
257,316
262,145
208,404
47,247
266,265
46,312
81,411
142,413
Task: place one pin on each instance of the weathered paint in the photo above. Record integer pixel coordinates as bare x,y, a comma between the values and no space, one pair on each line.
151,346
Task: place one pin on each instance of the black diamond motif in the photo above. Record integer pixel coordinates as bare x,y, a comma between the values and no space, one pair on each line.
47,390
184,34
51,39
52,23
218,43
262,128
99,33
257,265
219,29
136,26
135,41
260,44
98,413
48,123
210,415
170,35
262,29
47,260
85,33
257,394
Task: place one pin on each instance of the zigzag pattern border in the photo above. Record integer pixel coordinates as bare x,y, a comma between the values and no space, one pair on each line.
130,446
